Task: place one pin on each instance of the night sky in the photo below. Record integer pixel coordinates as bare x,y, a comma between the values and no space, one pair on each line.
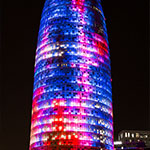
127,24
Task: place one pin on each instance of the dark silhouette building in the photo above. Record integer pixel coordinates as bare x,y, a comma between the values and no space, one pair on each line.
133,139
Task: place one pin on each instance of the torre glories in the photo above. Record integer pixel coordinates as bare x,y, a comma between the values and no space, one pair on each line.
72,96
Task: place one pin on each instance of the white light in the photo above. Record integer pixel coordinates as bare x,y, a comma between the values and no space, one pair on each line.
128,134
60,127
97,106
69,136
117,142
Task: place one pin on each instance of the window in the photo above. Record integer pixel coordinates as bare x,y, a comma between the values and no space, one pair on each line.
137,135
128,134
132,135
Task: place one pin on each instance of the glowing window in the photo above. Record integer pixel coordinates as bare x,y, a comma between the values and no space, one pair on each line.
137,135
128,134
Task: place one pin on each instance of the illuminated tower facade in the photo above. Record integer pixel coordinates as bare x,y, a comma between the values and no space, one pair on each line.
72,98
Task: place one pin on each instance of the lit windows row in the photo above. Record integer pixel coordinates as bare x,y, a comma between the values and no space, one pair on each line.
88,84
86,122
56,50
60,53
88,3
88,11
78,30
70,86
76,64
91,39
75,79
79,145
133,135
75,102
76,95
91,77
85,136
48,70
70,127
72,111
47,47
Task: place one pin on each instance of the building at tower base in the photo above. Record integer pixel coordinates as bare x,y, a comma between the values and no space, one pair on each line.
133,139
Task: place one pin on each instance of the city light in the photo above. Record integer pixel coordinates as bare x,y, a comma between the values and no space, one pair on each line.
72,96
117,142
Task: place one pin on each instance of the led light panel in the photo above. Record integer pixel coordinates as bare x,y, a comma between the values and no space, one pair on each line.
72,96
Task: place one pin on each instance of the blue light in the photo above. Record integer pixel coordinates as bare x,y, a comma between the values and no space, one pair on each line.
72,98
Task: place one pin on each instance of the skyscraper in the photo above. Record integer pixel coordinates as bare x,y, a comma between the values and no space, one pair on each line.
72,98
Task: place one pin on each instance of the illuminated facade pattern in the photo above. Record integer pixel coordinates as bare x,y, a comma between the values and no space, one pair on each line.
72,99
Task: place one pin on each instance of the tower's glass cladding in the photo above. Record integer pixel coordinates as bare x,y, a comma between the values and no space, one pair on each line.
72,99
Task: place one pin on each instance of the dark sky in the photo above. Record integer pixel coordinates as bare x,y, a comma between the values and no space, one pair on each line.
127,24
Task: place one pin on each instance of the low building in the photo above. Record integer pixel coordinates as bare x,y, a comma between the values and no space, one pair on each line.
133,139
